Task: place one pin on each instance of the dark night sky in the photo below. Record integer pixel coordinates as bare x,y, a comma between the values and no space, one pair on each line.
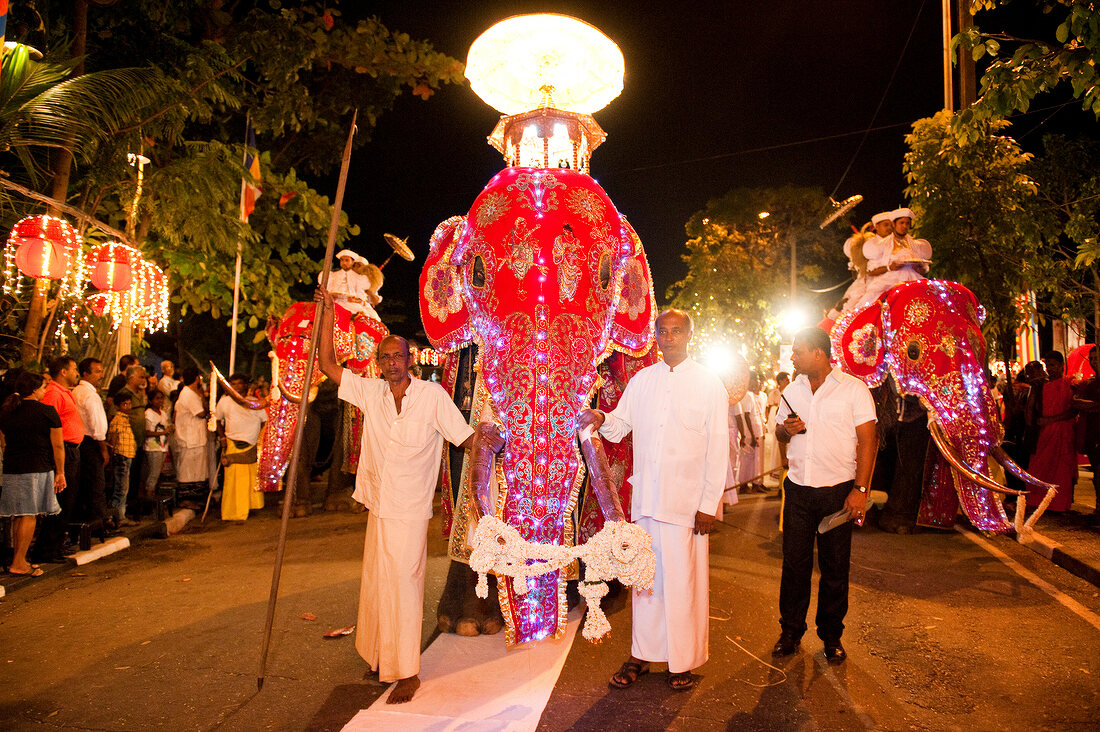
717,96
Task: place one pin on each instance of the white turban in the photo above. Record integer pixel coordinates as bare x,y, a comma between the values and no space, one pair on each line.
902,213
880,217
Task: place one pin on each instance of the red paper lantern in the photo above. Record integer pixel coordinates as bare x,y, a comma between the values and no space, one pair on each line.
46,246
111,267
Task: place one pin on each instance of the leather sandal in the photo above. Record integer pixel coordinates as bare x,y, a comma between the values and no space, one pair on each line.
627,674
682,681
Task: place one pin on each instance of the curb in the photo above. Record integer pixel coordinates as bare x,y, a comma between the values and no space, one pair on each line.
1055,552
153,530
1076,566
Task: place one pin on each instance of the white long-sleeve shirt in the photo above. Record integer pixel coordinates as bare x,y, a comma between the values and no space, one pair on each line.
90,406
679,418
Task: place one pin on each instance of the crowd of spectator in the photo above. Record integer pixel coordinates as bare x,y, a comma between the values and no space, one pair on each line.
75,453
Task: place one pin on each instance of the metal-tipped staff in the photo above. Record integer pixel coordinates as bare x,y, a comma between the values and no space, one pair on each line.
292,474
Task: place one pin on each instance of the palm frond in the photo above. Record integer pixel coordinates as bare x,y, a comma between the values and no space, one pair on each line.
77,113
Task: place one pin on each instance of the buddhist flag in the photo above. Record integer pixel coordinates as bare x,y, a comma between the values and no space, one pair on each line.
3,20
250,191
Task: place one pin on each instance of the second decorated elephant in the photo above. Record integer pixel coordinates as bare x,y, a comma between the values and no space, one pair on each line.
923,339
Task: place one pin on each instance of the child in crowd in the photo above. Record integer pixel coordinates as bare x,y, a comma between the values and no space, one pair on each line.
157,429
120,440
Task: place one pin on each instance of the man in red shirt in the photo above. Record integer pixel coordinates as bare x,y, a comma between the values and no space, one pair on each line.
64,375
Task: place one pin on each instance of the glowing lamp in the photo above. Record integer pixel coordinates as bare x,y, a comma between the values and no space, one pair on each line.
545,60
44,246
111,267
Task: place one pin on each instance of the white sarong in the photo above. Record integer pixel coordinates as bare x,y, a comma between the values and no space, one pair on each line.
391,596
673,623
191,464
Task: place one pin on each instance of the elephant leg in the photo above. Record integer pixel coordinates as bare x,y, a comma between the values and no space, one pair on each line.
303,491
909,445
340,484
461,611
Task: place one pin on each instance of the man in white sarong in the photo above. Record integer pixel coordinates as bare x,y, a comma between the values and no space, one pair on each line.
894,259
677,411
191,432
405,421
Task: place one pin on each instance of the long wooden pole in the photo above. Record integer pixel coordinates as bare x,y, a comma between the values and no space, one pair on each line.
303,405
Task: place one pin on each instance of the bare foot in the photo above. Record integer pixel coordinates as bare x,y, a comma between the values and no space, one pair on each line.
404,690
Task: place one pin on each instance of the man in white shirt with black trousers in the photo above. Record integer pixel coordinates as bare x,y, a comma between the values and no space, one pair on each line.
827,417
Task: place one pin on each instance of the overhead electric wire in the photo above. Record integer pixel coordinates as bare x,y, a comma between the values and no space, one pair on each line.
881,101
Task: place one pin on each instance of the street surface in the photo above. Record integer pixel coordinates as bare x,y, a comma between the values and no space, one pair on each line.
942,635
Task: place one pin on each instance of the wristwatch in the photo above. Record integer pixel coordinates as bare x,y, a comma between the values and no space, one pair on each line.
860,488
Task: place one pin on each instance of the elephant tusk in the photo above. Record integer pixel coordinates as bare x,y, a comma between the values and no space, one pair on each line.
956,460
1012,467
487,442
233,394
600,476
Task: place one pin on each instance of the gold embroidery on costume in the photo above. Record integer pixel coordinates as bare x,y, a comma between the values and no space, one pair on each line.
493,206
567,253
585,204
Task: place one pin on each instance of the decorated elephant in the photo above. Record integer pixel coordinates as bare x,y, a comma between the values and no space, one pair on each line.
548,280
356,339
923,339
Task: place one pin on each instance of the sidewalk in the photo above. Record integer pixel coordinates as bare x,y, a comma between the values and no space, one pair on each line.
147,528
1073,539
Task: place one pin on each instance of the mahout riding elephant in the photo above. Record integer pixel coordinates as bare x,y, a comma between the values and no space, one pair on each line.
548,280
923,339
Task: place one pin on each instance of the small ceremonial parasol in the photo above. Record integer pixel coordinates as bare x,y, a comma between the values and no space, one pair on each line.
400,247
840,208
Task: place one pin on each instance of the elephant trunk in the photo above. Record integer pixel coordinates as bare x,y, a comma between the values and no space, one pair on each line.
599,472
277,444
487,442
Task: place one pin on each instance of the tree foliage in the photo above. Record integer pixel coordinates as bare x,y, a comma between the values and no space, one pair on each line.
1068,177
298,70
1020,69
976,204
738,277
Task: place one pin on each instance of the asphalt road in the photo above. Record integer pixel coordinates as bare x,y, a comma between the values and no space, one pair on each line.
942,635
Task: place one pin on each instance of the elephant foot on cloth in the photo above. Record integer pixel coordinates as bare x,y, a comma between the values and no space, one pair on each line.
461,611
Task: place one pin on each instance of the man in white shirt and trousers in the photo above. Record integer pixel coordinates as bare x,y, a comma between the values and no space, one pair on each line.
677,411
405,421
827,417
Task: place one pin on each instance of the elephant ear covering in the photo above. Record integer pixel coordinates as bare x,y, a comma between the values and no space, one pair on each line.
632,326
442,306
858,345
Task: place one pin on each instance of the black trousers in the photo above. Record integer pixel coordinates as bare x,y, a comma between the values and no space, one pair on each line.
803,510
92,501
51,537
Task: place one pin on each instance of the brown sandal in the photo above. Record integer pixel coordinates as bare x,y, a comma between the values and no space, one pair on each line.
627,674
682,681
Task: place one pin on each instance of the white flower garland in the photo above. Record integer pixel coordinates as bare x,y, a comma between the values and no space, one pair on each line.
620,550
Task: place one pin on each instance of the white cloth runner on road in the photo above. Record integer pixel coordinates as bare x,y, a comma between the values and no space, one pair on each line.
476,683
